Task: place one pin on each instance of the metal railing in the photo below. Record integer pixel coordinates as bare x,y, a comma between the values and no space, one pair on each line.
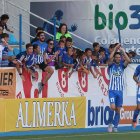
30,13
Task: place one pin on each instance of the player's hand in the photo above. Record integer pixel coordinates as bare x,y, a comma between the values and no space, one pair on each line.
56,53
117,47
122,49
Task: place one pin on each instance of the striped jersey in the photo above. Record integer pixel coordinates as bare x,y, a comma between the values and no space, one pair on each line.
27,59
39,58
116,72
137,74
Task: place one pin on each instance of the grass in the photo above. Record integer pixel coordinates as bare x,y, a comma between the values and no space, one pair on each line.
135,135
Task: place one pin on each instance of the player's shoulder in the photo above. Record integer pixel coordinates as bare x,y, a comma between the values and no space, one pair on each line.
138,68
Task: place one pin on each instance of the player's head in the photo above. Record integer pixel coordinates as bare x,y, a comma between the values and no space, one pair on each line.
131,54
36,48
50,43
111,48
117,57
69,42
94,56
61,44
29,48
39,29
41,36
63,29
96,46
88,52
70,51
5,37
4,18
102,51
63,38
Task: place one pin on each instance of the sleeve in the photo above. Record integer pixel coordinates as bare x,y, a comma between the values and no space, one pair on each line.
137,71
58,35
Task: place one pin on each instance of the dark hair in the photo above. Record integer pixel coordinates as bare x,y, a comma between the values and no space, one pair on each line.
112,46
88,49
117,53
40,34
68,39
49,40
95,44
39,28
4,16
61,25
35,46
101,50
116,44
28,45
62,37
133,53
4,35
61,41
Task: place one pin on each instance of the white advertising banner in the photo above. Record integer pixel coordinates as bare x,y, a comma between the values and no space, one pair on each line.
94,20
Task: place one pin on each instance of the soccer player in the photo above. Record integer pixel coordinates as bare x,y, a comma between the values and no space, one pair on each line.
4,49
136,78
116,85
41,62
67,60
26,60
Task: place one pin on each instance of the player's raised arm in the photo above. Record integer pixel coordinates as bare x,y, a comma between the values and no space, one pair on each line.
112,54
127,59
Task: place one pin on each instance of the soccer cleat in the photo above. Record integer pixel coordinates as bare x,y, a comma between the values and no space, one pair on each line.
40,87
110,127
115,129
134,124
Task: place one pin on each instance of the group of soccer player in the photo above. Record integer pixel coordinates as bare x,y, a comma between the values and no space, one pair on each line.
116,66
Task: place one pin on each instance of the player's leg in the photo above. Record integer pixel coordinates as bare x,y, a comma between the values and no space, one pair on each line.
49,71
112,98
136,112
119,102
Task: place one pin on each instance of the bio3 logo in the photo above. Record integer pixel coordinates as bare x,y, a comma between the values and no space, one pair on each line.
120,18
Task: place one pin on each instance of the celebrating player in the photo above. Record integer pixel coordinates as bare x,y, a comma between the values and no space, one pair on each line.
116,70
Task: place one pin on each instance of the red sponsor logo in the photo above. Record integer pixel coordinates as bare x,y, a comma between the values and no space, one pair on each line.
27,85
83,80
63,79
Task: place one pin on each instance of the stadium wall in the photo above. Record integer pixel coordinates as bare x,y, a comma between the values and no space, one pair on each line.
78,103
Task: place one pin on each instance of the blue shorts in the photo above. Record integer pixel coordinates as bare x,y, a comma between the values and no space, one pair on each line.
116,97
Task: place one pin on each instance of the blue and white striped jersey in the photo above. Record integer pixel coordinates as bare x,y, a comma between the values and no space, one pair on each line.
116,76
137,74
39,58
27,59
